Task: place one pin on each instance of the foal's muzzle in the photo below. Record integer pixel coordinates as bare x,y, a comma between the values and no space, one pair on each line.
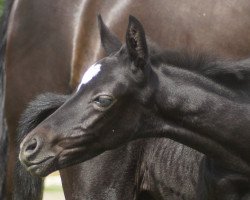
37,154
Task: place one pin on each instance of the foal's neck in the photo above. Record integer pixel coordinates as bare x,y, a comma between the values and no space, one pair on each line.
202,114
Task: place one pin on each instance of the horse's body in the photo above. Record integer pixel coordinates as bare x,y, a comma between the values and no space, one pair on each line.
136,93
220,27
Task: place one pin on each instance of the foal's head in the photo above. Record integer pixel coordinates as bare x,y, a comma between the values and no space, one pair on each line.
104,112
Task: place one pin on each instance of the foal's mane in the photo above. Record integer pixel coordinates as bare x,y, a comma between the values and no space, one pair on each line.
233,74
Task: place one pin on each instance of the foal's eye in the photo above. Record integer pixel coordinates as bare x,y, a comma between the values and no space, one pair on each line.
103,101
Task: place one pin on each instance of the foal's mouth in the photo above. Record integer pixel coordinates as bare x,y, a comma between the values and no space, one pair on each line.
43,167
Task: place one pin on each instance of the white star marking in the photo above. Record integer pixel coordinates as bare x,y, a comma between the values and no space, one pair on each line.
89,74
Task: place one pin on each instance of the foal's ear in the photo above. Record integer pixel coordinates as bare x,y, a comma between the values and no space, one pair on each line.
136,43
109,41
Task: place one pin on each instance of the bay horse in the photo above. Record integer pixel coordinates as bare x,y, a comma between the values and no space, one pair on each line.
134,94
72,22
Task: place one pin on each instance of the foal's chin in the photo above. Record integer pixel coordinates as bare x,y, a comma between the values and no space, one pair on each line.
42,169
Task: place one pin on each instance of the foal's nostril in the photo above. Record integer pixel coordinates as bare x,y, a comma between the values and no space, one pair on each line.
32,146
30,149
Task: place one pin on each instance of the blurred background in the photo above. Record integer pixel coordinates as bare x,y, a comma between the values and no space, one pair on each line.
1,7
53,187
